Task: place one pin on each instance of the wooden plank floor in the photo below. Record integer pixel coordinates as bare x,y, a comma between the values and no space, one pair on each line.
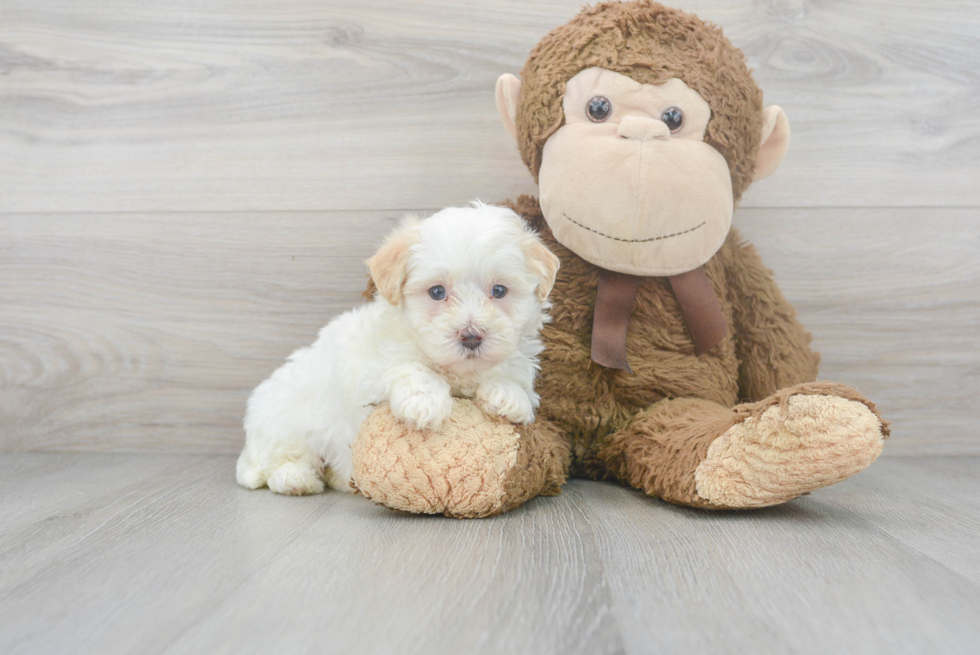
137,553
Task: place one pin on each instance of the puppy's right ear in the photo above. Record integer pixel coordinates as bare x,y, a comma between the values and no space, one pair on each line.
389,266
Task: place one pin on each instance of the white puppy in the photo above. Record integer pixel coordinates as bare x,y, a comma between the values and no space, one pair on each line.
461,299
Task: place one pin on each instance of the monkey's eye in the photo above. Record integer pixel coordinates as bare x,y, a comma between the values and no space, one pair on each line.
598,109
673,117
498,291
437,292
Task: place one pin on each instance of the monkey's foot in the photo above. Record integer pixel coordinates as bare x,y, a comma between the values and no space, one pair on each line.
798,440
475,466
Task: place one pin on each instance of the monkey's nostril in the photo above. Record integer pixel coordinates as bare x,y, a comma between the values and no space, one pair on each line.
636,127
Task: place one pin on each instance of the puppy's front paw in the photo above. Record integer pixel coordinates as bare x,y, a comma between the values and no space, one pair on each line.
423,409
506,400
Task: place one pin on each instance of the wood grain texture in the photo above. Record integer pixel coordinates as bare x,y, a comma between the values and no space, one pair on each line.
164,554
891,297
147,332
239,105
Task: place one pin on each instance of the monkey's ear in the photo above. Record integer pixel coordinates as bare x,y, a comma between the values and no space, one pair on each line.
775,142
508,97
389,266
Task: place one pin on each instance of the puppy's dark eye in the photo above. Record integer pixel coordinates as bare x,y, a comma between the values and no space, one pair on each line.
673,117
498,291
437,292
598,109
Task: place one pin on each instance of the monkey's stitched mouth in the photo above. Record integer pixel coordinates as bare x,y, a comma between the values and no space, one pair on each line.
609,236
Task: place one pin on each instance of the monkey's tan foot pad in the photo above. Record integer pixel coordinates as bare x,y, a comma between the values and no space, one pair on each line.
474,466
789,445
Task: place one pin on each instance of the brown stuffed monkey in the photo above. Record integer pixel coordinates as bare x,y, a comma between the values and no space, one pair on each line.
673,363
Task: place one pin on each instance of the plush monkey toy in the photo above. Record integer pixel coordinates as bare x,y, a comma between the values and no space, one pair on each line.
673,362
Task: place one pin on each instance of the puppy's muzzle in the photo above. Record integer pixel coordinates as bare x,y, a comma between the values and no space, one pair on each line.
471,338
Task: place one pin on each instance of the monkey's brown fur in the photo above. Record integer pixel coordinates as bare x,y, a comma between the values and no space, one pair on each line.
590,401
654,429
663,412
618,37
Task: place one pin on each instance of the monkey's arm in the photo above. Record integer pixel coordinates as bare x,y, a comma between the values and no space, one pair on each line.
772,347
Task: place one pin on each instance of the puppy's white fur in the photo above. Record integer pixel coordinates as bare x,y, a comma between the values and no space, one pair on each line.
406,347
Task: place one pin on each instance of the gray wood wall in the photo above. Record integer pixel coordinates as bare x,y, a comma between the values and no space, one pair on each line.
187,191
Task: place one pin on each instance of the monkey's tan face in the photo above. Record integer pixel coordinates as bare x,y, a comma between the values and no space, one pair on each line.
628,182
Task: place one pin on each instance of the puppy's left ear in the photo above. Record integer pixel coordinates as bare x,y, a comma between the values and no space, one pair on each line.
541,262
389,266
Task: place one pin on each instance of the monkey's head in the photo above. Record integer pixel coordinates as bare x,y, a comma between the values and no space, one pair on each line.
643,127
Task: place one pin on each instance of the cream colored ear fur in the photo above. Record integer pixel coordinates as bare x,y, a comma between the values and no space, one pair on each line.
542,262
775,141
508,96
389,266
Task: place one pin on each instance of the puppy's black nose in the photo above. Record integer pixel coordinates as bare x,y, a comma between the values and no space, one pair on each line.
470,339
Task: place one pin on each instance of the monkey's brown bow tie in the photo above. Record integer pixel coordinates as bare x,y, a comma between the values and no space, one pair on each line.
614,304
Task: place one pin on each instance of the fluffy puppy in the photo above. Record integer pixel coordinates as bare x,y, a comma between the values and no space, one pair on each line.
461,299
